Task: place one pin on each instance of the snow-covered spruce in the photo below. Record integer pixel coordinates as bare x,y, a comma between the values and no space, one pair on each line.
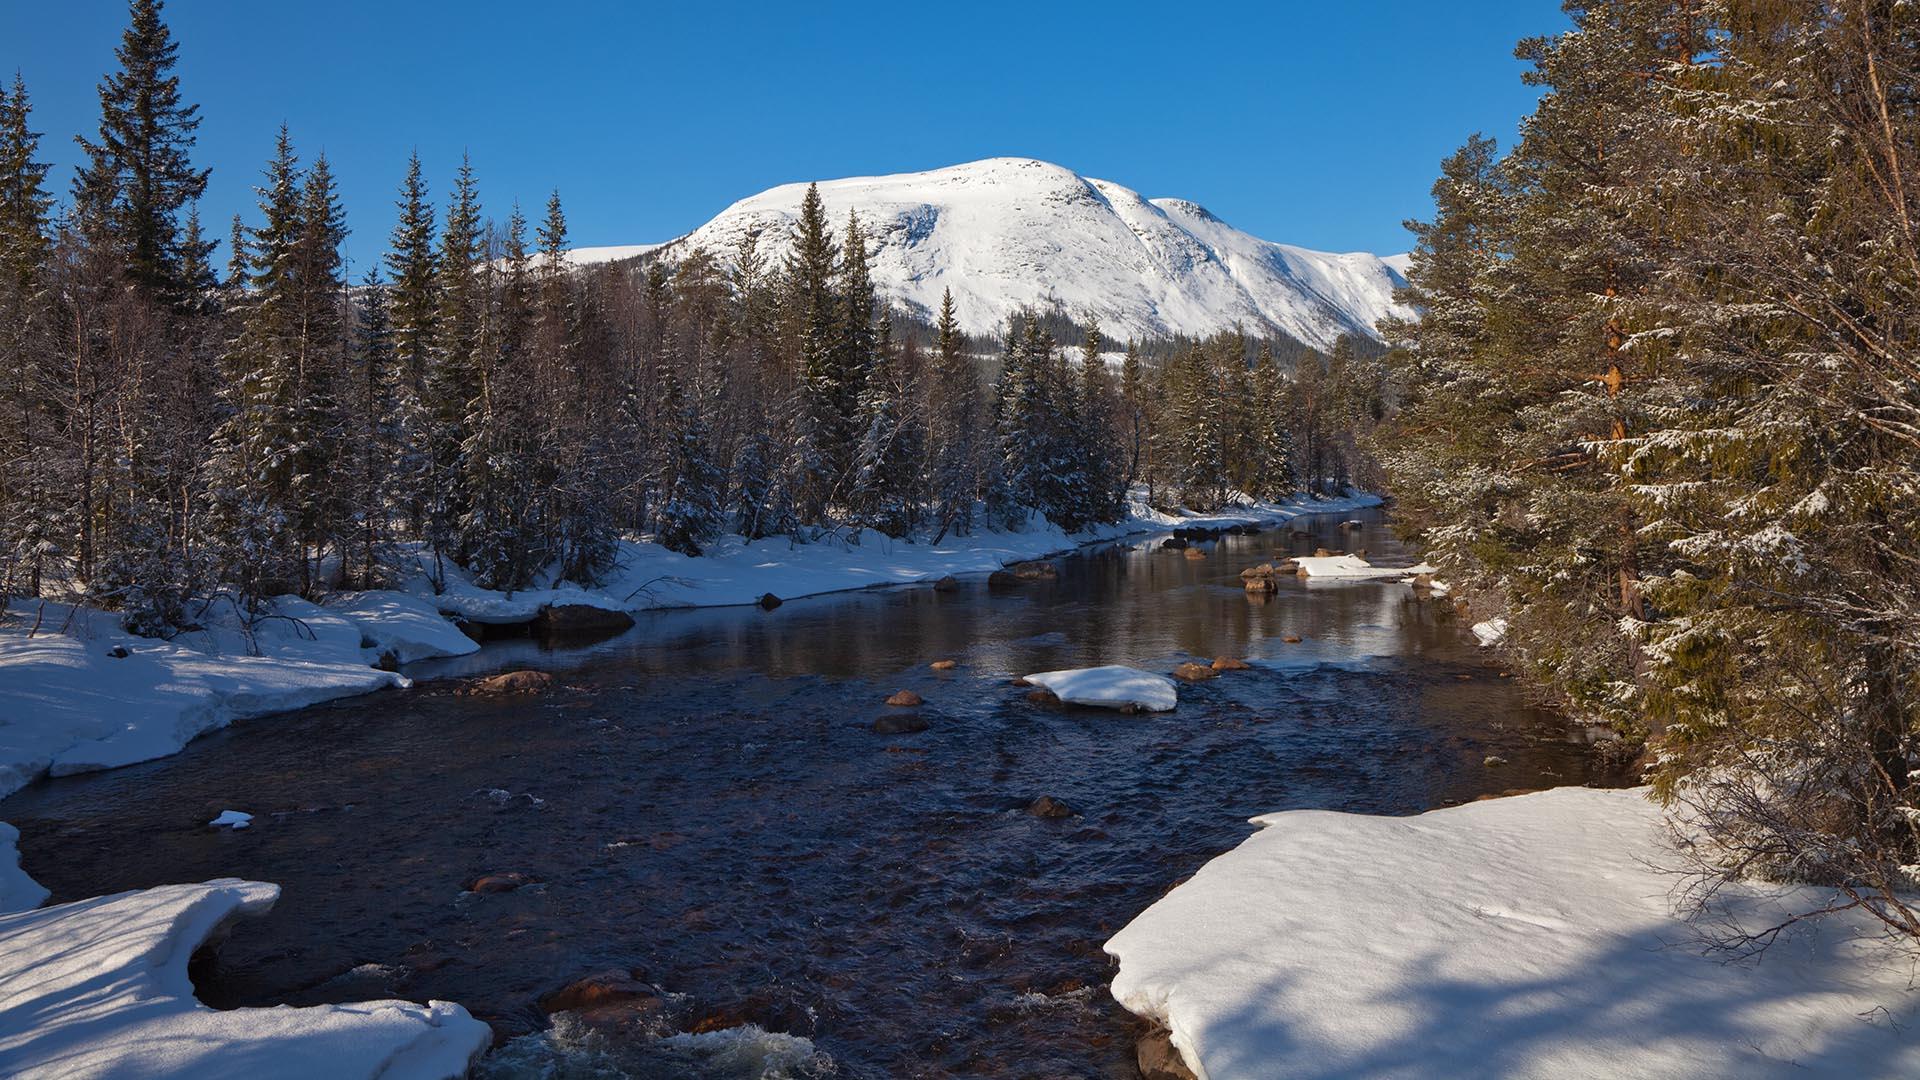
69,704
1110,687
99,988
1524,937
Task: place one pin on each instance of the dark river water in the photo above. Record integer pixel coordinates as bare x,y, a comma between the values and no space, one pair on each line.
704,801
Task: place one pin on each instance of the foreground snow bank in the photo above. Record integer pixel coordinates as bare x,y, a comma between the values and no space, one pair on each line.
1529,936
1111,687
99,988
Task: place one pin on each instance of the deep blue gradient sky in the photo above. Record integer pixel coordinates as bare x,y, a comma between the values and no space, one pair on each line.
1318,124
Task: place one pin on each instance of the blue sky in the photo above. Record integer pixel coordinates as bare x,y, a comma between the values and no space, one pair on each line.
1317,124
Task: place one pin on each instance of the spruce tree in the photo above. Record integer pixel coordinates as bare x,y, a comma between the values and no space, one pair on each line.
138,176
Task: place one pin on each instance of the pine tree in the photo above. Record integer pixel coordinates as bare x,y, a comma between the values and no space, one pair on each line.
32,523
138,176
812,274
374,437
955,406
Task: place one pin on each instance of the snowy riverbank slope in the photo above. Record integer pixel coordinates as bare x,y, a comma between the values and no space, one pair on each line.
99,988
69,704
1522,937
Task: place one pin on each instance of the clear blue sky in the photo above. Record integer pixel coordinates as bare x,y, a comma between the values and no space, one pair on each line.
1319,124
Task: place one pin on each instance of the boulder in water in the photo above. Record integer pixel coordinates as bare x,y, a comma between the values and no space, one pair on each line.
1194,673
947,584
1230,663
563,619
514,682
905,699
768,601
944,665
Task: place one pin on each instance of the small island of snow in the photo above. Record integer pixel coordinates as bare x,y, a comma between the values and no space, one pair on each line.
1110,687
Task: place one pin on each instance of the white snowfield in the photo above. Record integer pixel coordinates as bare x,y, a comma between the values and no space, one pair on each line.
18,892
1523,937
1006,234
69,705
1355,568
1111,686
99,988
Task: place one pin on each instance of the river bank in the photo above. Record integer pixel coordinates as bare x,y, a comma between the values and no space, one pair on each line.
79,694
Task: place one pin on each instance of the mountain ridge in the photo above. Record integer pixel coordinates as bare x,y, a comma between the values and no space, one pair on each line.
1005,234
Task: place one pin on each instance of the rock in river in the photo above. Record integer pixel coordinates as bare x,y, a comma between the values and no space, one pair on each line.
514,682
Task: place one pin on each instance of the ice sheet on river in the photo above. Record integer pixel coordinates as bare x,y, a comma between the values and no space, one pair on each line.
1355,568
1529,936
99,988
1110,687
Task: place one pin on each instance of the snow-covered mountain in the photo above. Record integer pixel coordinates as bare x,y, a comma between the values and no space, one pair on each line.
1010,233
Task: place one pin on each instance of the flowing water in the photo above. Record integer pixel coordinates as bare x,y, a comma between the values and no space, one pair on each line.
703,800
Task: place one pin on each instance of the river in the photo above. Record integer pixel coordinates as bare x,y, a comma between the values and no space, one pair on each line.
703,800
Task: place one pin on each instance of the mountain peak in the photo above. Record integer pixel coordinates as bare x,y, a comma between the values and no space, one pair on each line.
1009,233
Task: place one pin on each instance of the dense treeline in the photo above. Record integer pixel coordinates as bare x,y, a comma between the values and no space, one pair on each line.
1663,412
172,427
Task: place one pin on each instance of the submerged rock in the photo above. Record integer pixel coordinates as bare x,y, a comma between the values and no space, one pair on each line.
1174,543
1194,553
600,990
1046,806
899,724
503,882
514,682
1002,579
947,584
1034,570
1230,663
1291,639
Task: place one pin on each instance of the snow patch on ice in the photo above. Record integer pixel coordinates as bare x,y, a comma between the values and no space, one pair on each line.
1355,568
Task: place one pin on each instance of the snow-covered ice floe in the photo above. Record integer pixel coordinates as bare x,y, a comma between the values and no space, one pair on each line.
232,819
1355,568
1529,936
1111,687
99,988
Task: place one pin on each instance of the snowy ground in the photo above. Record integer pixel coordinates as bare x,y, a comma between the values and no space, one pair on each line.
69,704
1522,937
99,988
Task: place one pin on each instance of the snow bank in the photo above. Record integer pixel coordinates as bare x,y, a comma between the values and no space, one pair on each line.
410,627
1490,632
1529,936
18,892
96,697
1111,687
99,988
734,571
1355,568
